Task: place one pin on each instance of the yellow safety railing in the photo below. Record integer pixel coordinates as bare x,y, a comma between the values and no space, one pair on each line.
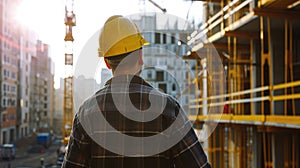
223,17
270,118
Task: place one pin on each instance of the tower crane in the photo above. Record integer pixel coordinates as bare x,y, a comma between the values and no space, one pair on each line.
164,10
68,108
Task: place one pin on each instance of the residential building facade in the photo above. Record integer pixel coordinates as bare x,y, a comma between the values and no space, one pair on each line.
9,52
163,66
28,40
42,92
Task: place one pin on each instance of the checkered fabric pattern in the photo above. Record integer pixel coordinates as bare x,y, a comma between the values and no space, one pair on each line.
83,151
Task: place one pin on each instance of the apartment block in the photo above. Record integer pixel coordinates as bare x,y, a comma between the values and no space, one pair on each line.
163,66
42,91
9,52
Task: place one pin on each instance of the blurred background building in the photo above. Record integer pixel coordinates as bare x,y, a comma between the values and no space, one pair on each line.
42,91
163,66
27,78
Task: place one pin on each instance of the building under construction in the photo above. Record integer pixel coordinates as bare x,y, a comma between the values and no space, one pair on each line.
253,100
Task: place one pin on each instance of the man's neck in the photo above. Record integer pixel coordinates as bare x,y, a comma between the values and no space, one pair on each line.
126,73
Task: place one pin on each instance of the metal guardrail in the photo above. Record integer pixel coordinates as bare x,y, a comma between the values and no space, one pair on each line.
283,119
221,17
249,100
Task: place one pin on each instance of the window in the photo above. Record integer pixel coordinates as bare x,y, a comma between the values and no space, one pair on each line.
173,39
163,87
164,38
4,102
3,57
9,102
13,89
26,117
14,62
173,87
157,38
13,102
149,74
159,76
13,75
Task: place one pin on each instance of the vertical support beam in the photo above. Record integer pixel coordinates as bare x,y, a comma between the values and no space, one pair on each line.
269,142
229,84
261,19
293,151
271,149
265,148
270,63
291,65
238,146
222,163
251,77
230,147
214,148
243,140
235,71
297,146
286,55
235,151
285,151
269,146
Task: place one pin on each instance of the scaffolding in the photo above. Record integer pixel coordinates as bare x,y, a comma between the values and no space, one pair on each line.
259,46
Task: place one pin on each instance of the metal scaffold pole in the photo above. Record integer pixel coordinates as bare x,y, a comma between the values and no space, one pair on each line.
68,78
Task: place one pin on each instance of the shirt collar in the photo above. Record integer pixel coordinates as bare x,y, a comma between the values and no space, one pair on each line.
128,79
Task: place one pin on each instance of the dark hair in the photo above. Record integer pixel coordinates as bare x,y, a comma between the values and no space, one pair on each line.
115,61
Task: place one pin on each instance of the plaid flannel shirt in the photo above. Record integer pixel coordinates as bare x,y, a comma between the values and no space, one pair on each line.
83,151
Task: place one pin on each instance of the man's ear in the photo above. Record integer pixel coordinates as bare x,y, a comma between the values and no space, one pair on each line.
107,64
141,61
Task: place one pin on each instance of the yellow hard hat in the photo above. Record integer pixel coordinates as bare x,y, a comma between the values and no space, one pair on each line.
119,36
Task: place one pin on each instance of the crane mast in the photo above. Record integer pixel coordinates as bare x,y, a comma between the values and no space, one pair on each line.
68,110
